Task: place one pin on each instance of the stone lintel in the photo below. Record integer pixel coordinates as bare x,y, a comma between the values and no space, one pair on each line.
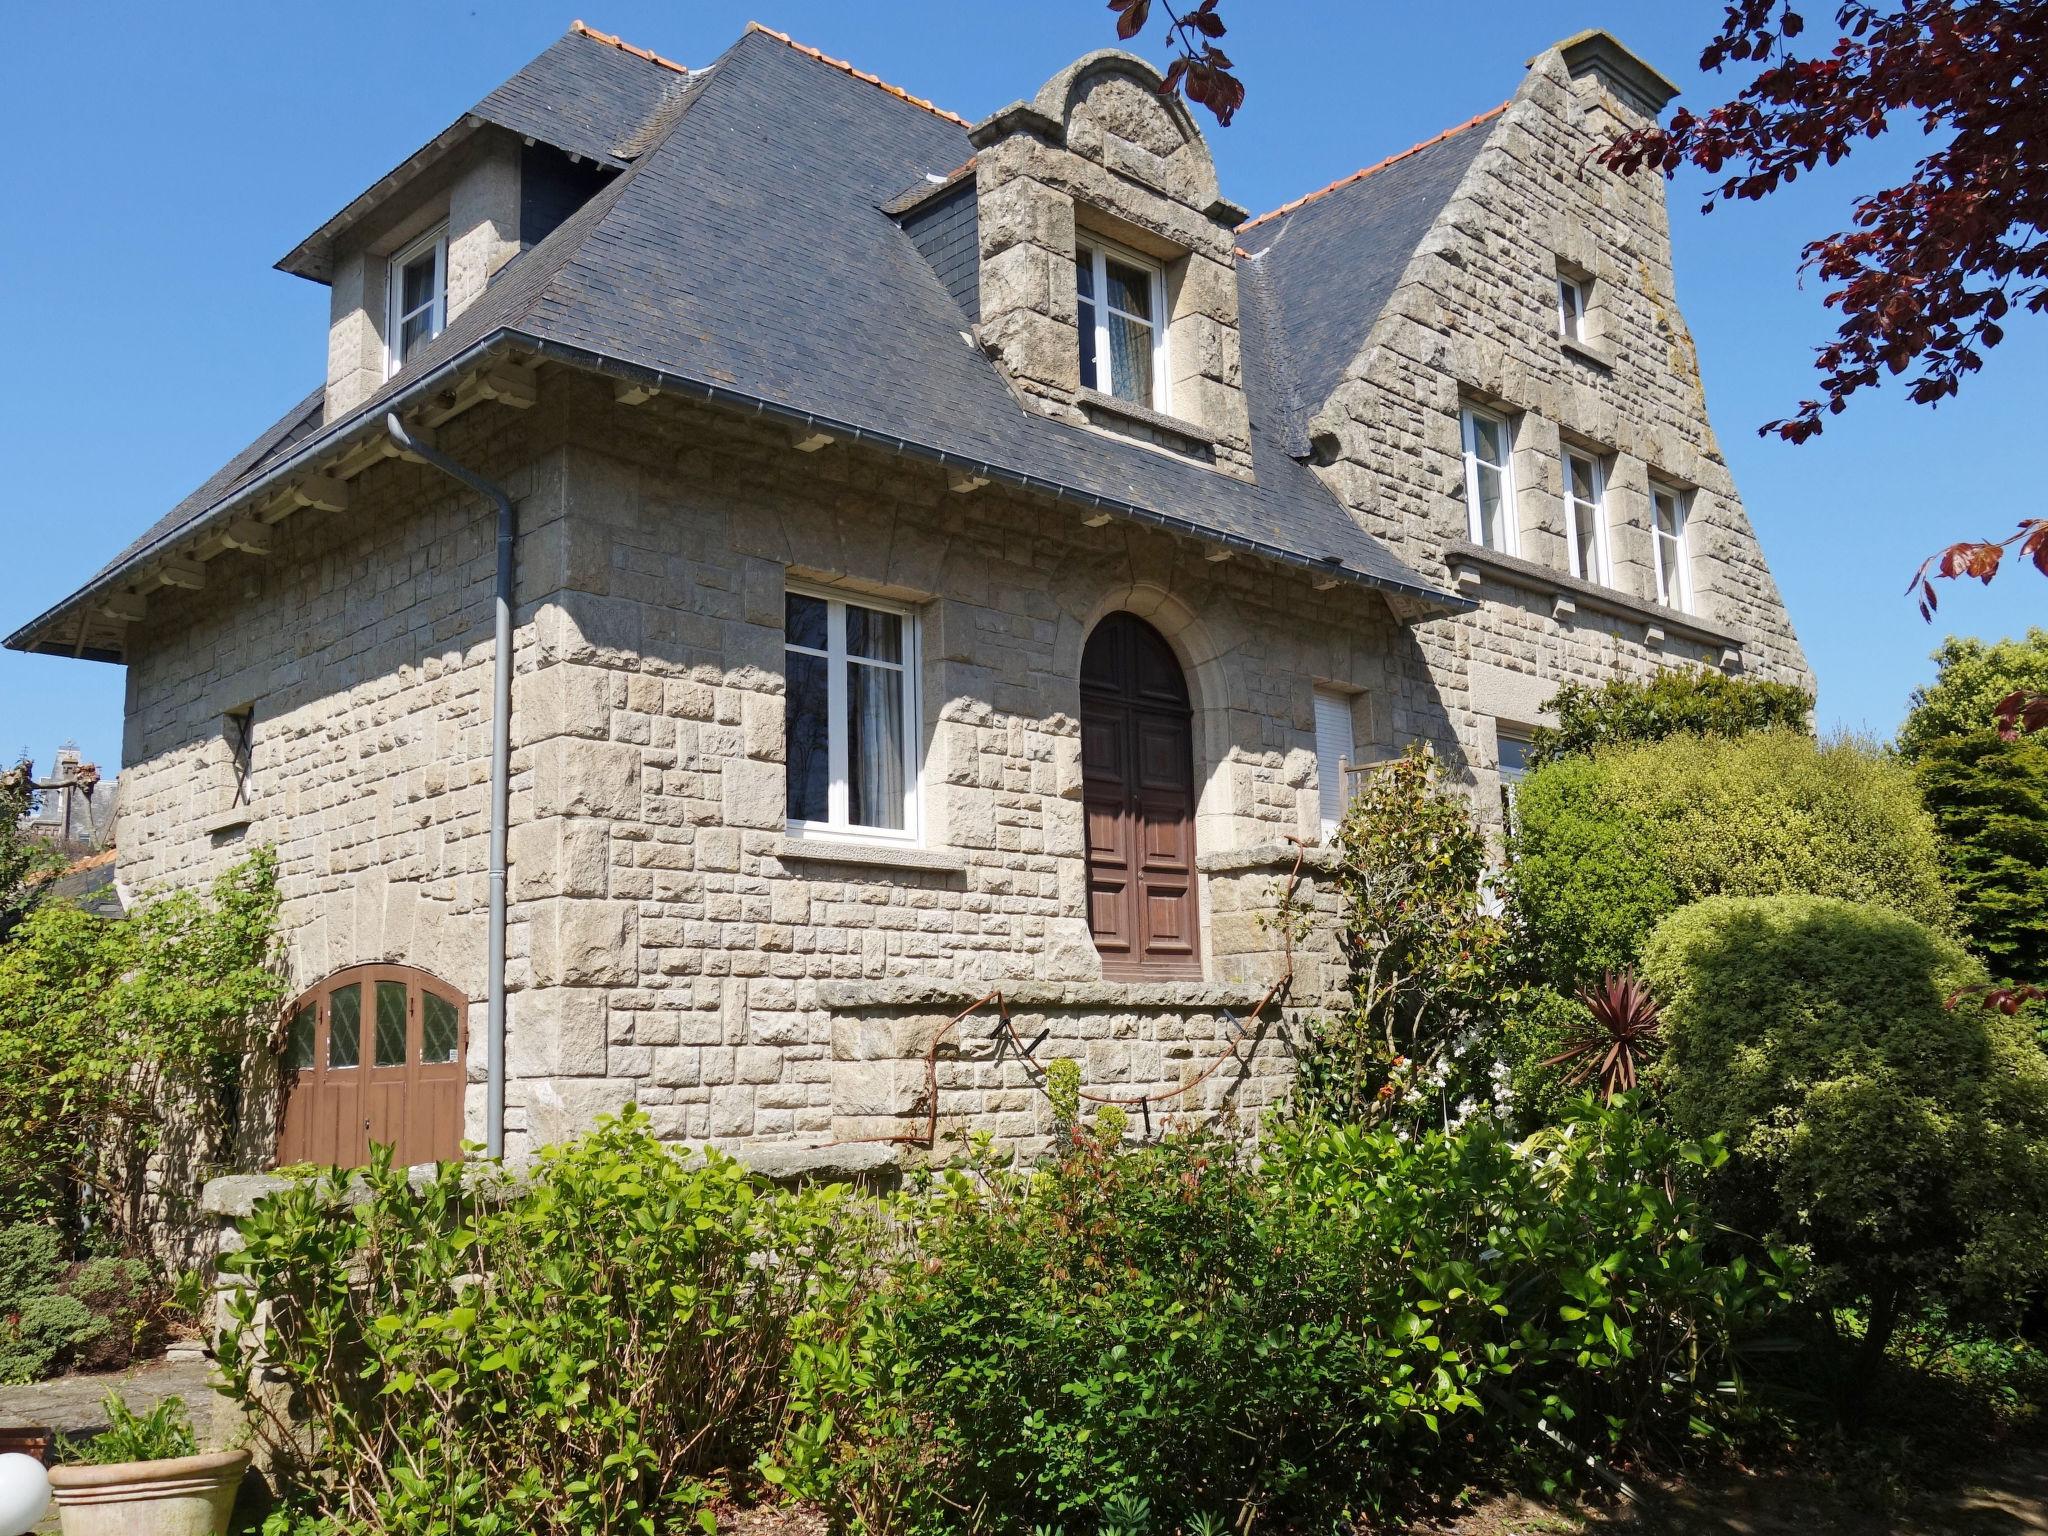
1276,856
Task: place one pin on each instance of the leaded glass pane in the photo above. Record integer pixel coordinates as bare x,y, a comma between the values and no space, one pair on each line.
874,746
390,1024
345,1026
440,1029
876,635
803,621
298,1039
1130,359
808,727
1130,289
1487,485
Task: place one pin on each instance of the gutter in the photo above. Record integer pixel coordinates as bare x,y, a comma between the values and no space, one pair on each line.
501,769
368,424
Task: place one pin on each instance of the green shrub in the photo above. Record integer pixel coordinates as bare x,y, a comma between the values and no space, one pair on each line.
1681,701
1973,676
30,1262
1604,847
162,1433
41,1334
1900,1145
577,1353
1989,801
128,1295
1426,957
113,1034
1290,1339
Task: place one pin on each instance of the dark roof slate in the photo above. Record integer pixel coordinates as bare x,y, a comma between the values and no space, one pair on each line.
586,95
746,251
1329,265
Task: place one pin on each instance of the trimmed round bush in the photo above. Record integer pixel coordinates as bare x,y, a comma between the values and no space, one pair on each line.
1901,1144
1605,846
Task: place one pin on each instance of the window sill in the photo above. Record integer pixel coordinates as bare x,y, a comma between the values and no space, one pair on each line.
821,850
1465,558
1588,351
1095,403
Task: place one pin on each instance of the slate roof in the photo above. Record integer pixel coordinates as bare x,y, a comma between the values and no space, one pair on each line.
1325,265
744,256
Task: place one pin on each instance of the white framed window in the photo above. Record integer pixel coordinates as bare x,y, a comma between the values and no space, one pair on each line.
851,717
1122,323
419,297
1489,482
1669,555
1572,295
1335,752
1585,516
1512,749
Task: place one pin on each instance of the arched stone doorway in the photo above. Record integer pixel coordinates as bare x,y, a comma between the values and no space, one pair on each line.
374,1053
1138,797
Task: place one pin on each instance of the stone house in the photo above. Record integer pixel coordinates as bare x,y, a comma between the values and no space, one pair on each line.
942,563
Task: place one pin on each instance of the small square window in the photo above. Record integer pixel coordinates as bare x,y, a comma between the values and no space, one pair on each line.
419,297
850,713
1585,516
1573,303
1489,480
1121,308
1670,557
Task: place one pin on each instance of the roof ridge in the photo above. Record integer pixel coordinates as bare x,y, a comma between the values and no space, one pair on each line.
625,47
859,74
1344,181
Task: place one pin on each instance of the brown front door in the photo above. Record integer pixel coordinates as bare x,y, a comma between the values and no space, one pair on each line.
1138,789
374,1054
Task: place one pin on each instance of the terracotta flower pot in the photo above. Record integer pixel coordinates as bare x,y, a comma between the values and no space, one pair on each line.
181,1496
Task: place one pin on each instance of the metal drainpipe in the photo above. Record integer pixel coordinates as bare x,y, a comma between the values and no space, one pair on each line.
501,771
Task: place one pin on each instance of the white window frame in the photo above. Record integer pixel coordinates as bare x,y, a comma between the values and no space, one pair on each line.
1672,567
1593,565
838,826
1510,535
1096,252
1331,774
436,241
1572,307
1510,779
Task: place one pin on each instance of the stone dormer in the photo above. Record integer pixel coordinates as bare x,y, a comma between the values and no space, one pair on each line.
1099,196
453,228
1609,78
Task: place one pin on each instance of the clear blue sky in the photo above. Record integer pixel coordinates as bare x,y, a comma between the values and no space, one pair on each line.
161,157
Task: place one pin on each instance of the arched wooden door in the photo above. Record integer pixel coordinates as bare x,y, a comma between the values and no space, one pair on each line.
1138,790
374,1054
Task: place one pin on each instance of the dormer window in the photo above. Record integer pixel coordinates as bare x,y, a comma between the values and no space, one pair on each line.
419,296
1122,302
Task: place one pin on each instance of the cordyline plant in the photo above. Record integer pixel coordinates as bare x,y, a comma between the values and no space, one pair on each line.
1426,953
1621,1030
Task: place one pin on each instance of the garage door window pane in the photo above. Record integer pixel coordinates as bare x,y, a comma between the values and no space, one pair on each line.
390,1023
438,1030
345,1026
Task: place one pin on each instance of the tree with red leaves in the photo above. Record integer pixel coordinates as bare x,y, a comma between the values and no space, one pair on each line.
1202,72
1929,271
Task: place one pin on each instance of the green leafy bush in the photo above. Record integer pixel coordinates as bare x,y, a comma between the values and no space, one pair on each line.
41,1332
1427,957
123,1042
1605,846
1289,1339
1900,1145
31,1262
159,1435
1989,801
1973,676
575,1353
1681,701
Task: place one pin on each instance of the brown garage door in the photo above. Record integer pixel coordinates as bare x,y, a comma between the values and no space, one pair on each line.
1138,790
374,1054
